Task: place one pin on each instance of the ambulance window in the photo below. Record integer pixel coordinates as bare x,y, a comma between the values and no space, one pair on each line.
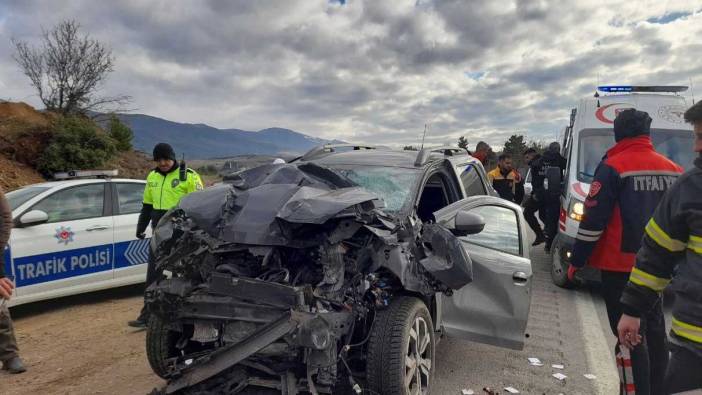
129,197
81,202
472,183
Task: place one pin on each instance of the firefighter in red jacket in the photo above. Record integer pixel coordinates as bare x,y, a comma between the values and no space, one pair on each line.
628,184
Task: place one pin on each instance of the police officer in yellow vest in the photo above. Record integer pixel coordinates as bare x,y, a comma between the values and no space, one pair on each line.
165,186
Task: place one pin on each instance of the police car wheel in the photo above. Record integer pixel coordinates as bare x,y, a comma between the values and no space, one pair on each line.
160,345
559,269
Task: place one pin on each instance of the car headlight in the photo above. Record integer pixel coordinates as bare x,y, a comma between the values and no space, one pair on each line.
576,210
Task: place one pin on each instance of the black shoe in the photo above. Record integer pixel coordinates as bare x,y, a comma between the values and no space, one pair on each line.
540,239
14,365
138,323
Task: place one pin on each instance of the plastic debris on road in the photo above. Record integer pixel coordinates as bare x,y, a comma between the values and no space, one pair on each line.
557,366
467,392
560,376
511,390
535,362
590,376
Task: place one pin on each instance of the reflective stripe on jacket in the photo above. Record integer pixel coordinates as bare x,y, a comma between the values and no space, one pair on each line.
506,186
672,249
164,191
628,184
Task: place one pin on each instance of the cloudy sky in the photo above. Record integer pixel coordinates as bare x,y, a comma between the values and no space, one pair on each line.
372,71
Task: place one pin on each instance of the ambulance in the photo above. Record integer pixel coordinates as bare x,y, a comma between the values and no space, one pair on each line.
588,137
75,235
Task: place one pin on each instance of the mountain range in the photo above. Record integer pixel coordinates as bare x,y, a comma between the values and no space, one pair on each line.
200,141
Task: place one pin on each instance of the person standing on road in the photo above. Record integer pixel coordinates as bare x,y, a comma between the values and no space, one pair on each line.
8,342
165,186
483,151
629,183
504,179
672,248
548,196
532,204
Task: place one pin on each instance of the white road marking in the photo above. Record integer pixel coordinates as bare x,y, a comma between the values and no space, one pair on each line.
600,359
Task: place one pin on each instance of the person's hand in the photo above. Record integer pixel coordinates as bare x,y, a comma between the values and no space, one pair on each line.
628,330
6,287
140,236
571,272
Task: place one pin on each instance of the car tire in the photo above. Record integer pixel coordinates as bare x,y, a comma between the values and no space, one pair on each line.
160,345
401,344
559,268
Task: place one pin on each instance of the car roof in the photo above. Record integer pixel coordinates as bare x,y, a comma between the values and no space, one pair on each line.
384,157
82,181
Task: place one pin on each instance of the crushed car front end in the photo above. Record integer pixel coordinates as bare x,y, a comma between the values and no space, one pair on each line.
273,280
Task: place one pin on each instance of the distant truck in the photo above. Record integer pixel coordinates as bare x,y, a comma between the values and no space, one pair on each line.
588,137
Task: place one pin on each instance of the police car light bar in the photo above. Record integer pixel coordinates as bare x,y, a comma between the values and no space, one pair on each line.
634,88
85,174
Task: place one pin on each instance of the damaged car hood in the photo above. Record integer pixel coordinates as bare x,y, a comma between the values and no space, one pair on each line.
263,206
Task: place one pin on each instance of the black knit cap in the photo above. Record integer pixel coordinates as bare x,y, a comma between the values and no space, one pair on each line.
164,151
631,123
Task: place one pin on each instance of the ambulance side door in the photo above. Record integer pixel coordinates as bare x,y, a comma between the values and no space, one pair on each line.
72,251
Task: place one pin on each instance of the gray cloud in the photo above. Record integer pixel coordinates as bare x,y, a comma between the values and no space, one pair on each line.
371,71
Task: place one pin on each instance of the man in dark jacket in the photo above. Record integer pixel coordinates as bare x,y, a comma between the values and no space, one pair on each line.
165,186
532,204
548,195
672,248
628,184
8,342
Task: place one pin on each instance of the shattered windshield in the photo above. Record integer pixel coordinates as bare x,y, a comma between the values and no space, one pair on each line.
594,143
392,184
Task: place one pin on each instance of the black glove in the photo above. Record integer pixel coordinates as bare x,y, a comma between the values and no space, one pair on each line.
140,236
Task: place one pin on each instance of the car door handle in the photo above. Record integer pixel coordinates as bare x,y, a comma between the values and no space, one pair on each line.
97,227
520,278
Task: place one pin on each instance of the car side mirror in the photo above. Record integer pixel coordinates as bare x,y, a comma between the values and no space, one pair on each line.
34,217
467,223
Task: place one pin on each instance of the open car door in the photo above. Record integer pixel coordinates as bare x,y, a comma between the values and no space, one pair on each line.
494,308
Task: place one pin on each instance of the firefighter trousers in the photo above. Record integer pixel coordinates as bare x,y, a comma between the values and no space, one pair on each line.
641,370
8,342
684,370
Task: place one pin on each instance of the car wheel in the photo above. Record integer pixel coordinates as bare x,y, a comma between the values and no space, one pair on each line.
160,345
401,349
559,268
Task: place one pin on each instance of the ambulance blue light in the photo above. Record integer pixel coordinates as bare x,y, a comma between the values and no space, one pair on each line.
642,88
617,88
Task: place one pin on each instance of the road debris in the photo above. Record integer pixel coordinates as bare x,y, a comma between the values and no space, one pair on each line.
560,376
490,391
535,362
590,376
558,366
467,392
511,390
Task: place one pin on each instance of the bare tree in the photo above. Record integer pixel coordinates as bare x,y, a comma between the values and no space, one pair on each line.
67,69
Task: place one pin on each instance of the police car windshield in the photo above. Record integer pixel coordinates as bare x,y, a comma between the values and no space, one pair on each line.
18,197
594,143
392,184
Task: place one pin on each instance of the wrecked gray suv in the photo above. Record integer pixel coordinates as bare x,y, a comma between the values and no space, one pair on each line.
335,273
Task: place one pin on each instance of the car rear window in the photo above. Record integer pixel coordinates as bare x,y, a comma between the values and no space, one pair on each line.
20,196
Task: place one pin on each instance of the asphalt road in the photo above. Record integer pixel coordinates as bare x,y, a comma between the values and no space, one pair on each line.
566,327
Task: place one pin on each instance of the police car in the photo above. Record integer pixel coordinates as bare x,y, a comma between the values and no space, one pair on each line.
75,235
